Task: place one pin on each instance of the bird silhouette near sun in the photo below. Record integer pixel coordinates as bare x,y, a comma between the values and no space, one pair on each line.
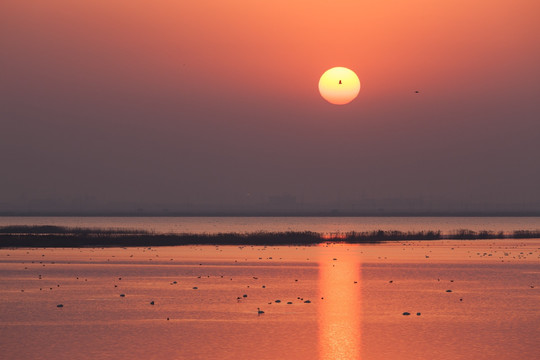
339,85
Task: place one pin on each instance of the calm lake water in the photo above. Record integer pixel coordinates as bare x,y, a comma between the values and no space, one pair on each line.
277,224
335,302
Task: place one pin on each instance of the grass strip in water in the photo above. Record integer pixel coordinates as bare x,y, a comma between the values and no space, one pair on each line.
58,236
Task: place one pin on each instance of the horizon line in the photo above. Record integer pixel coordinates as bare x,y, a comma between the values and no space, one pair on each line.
329,213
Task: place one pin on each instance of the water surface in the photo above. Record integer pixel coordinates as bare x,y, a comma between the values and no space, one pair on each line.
280,224
347,302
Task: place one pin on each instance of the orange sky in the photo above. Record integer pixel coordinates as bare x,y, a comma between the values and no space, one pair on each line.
393,45
229,72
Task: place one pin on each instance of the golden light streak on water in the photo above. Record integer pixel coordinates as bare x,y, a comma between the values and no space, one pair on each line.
340,310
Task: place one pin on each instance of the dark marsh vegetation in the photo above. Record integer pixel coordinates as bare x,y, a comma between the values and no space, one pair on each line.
58,236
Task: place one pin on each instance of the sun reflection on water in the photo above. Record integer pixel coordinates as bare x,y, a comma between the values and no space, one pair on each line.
340,310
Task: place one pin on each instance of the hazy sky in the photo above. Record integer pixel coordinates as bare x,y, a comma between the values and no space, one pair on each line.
216,101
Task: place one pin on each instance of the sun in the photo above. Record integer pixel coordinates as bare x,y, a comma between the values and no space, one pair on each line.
339,85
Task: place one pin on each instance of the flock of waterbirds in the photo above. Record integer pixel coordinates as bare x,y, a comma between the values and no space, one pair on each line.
494,252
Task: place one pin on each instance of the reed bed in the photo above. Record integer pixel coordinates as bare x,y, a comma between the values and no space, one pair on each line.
58,236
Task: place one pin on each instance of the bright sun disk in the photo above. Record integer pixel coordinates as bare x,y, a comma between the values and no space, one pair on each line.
339,85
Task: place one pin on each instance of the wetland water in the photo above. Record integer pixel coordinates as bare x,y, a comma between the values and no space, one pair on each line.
346,301
211,225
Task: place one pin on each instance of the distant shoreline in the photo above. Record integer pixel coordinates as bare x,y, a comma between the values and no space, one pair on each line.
322,213
65,237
